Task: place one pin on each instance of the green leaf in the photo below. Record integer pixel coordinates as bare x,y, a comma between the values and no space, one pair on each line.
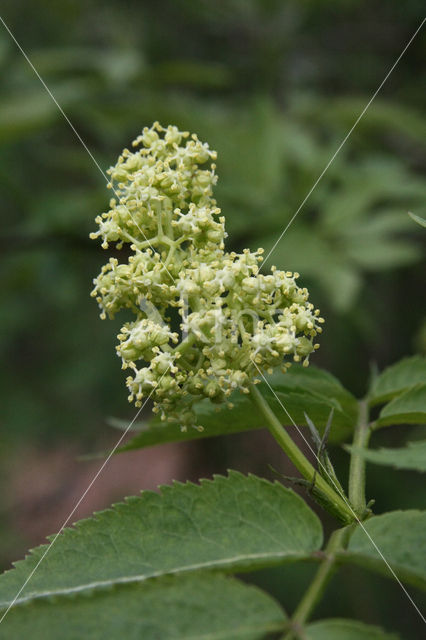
20,114
386,115
421,221
114,64
409,407
398,378
308,251
400,537
197,607
345,630
387,220
313,391
27,111
232,523
412,457
373,183
300,390
387,253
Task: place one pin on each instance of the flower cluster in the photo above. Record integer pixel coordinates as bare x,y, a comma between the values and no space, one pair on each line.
231,320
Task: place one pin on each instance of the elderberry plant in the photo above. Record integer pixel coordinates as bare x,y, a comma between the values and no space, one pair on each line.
210,343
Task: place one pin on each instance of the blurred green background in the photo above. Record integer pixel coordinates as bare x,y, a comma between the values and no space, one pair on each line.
274,86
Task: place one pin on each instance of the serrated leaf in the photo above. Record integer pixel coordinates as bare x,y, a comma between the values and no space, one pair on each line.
409,407
312,380
339,629
197,607
400,537
411,457
233,522
313,391
398,378
301,390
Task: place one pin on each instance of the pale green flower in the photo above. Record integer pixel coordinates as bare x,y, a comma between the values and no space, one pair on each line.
231,316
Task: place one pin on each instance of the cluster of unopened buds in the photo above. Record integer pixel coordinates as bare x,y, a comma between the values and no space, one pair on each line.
207,322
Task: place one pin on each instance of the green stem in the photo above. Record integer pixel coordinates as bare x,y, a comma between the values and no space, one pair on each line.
140,244
298,458
316,588
169,257
357,466
185,344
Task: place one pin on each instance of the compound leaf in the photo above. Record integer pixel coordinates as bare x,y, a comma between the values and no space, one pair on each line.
339,629
230,523
409,407
398,378
412,457
197,607
400,537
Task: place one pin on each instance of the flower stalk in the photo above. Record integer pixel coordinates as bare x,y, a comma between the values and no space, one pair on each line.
326,494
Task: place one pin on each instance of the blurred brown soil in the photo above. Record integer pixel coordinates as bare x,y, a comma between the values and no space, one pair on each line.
42,487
